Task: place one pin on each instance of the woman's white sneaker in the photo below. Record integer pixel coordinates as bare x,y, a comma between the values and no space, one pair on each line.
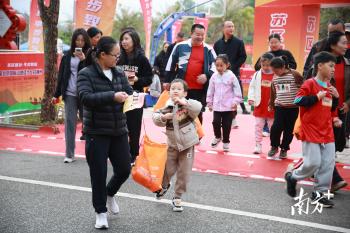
112,205
68,160
101,221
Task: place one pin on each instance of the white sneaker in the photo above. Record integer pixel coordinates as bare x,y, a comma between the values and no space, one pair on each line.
177,204
215,142
266,134
347,143
257,149
112,205
101,221
226,147
68,160
234,124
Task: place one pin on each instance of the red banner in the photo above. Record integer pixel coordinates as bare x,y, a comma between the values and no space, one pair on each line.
146,6
22,81
35,37
297,26
176,28
95,13
202,21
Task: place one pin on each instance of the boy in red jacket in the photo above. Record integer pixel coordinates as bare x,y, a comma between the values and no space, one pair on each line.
318,100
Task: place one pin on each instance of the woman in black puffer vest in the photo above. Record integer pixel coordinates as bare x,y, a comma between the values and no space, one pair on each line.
103,89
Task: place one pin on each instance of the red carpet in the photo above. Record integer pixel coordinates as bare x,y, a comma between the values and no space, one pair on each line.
238,162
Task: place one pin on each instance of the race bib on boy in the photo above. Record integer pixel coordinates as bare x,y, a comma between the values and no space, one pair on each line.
326,101
265,83
282,88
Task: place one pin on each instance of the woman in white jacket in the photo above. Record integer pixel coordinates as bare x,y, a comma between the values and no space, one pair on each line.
258,96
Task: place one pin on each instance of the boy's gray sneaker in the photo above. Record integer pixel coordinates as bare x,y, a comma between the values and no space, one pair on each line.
283,154
273,151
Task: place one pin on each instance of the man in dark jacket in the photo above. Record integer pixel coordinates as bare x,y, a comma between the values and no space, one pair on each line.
235,50
333,25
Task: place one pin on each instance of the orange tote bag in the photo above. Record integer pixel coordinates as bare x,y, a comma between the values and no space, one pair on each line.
150,164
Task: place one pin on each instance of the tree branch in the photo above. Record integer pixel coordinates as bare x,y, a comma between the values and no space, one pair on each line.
43,9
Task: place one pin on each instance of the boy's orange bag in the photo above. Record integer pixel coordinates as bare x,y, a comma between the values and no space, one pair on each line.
297,128
161,103
150,164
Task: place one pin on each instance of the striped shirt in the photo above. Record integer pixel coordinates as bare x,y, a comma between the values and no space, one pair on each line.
285,90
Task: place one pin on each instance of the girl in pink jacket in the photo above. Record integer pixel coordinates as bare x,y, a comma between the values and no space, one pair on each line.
224,93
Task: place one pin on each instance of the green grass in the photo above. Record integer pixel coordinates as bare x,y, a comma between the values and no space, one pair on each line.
27,120
33,120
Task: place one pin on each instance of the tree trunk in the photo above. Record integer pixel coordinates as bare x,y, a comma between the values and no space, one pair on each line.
49,16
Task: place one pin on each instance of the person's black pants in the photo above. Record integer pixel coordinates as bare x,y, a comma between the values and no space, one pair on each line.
340,140
283,122
242,104
199,95
134,122
223,120
339,133
347,125
98,149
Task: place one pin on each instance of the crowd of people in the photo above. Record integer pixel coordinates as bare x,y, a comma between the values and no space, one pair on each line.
98,74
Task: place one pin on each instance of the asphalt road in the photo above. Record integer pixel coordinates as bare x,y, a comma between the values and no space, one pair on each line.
39,193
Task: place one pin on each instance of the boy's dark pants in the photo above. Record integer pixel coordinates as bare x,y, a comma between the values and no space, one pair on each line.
283,122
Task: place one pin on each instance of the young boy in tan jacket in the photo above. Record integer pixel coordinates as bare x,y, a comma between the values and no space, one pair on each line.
178,117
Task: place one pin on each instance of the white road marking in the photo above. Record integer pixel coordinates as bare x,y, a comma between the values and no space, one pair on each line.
27,150
244,155
211,152
188,204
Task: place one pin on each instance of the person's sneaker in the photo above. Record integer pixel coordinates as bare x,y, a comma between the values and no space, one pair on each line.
266,134
177,205
68,160
112,205
82,137
258,149
245,112
317,197
226,147
291,183
234,124
273,151
339,185
215,142
283,154
101,221
347,142
160,193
